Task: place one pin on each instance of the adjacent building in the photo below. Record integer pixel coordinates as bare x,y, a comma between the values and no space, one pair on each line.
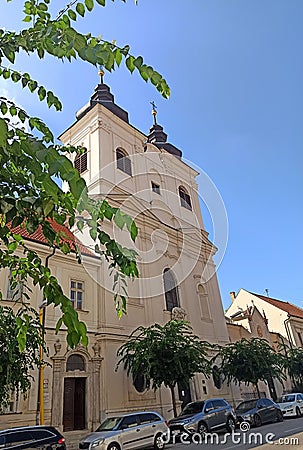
283,317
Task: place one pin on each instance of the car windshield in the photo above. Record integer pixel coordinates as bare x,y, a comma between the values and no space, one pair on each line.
246,406
288,398
109,424
193,408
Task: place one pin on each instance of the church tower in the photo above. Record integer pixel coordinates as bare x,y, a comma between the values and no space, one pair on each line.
145,176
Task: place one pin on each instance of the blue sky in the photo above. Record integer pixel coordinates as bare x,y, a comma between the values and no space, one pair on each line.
235,71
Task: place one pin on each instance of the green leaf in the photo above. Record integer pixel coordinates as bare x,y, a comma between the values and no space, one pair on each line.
3,108
48,206
3,132
89,4
101,2
72,14
42,93
13,111
80,9
118,56
138,61
130,63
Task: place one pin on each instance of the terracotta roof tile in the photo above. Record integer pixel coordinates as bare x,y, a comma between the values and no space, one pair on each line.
291,309
66,234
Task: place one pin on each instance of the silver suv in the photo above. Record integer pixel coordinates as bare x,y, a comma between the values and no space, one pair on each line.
203,416
128,431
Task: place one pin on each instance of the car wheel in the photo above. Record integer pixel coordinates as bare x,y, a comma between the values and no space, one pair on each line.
280,417
113,446
257,420
230,424
158,442
202,428
298,412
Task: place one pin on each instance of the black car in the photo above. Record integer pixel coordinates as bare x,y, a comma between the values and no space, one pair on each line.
259,411
35,437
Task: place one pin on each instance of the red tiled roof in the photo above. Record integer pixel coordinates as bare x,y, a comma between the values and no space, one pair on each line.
65,234
291,309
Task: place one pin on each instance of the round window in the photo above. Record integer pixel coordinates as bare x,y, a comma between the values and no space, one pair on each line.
139,382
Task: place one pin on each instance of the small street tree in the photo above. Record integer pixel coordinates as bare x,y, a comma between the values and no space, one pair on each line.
293,364
169,355
250,361
15,365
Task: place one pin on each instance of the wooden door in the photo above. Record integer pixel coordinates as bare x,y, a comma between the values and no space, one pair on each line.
74,404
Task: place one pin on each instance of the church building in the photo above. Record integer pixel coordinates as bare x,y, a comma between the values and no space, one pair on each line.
146,177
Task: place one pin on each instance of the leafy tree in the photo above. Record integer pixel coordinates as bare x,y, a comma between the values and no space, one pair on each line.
29,195
15,365
250,361
169,355
293,363
30,159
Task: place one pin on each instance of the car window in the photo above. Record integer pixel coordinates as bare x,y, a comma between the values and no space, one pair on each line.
246,406
148,418
267,402
109,424
261,403
41,434
193,408
129,422
300,397
208,406
219,403
17,437
288,398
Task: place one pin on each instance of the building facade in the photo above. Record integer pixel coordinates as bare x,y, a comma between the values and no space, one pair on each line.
145,176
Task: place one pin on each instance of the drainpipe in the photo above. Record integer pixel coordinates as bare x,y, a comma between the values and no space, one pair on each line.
40,398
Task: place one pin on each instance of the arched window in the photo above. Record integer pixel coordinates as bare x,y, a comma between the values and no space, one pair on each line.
123,161
203,297
75,362
170,290
81,161
184,198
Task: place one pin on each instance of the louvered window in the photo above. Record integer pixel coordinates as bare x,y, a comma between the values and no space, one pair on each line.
123,162
81,162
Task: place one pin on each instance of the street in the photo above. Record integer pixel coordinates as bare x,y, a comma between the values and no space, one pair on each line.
283,434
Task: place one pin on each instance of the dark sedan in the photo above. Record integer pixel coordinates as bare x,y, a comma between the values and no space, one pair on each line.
259,411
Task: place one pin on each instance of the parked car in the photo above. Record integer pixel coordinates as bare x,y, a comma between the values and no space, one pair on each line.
128,431
259,411
34,437
203,416
291,405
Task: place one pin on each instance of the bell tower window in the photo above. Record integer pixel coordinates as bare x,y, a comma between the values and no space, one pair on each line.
123,161
184,198
81,161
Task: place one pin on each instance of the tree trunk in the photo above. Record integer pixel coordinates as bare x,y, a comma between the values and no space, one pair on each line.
173,397
257,387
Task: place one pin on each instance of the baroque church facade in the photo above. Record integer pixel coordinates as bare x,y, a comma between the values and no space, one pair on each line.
145,176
